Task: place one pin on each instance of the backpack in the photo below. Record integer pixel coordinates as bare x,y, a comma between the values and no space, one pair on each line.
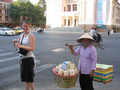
97,37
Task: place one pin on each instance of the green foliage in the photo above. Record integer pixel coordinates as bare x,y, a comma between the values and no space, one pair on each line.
20,11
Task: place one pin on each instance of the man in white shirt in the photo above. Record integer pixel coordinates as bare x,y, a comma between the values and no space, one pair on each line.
93,32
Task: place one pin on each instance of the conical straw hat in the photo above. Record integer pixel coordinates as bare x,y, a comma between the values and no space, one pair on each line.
85,36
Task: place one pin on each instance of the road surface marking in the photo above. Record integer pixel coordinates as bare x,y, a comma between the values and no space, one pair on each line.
9,59
6,69
58,50
1,50
38,68
13,67
6,53
44,67
14,78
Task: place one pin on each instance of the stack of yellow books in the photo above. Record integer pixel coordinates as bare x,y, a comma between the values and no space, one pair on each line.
103,73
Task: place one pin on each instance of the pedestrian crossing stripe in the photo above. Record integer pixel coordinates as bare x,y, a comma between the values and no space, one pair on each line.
7,53
6,69
9,59
1,50
8,56
13,67
44,67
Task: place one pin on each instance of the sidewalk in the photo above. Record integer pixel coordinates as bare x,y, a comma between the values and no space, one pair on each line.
113,85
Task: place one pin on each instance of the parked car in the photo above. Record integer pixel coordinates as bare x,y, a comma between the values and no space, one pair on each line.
1,31
6,31
40,30
18,30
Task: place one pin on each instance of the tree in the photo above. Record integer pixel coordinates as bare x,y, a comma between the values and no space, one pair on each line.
42,5
14,9
20,11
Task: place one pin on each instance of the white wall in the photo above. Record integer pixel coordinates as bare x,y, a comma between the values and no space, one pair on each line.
86,11
81,11
54,13
109,16
86,16
90,11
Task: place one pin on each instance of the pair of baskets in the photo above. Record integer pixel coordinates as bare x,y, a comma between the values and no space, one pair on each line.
65,81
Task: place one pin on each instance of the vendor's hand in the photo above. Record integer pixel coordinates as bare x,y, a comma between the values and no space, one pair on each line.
92,73
71,49
70,46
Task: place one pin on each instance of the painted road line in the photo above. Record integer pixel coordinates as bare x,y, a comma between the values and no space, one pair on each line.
44,67
11,68
1,50
6,69
7,53
9,59
58,50
14,78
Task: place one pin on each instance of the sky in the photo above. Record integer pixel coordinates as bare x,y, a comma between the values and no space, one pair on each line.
119,1
32,1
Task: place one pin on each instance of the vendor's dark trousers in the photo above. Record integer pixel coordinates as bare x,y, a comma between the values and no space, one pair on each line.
86,82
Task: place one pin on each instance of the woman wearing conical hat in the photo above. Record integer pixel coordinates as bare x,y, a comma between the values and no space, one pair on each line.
87,62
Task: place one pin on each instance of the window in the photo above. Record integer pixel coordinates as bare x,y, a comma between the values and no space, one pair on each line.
2,0
68,1
74,7
0,4
68,7
6,18
64,22
65,1
6,12
65,9
68,22
0,18
0,12
75,22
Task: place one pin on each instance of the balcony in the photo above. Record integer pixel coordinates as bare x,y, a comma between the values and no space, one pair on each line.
70,1
71,8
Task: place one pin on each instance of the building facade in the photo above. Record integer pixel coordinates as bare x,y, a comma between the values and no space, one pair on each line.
71,13
7,1
116,13
4,16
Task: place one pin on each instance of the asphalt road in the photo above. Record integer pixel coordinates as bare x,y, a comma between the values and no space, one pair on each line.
50,51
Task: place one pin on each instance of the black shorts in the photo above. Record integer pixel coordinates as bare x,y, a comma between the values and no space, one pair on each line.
27,69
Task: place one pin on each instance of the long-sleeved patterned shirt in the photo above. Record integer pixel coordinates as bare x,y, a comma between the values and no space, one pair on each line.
88,59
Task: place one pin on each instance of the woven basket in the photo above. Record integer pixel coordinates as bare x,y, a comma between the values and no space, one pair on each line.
65,81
